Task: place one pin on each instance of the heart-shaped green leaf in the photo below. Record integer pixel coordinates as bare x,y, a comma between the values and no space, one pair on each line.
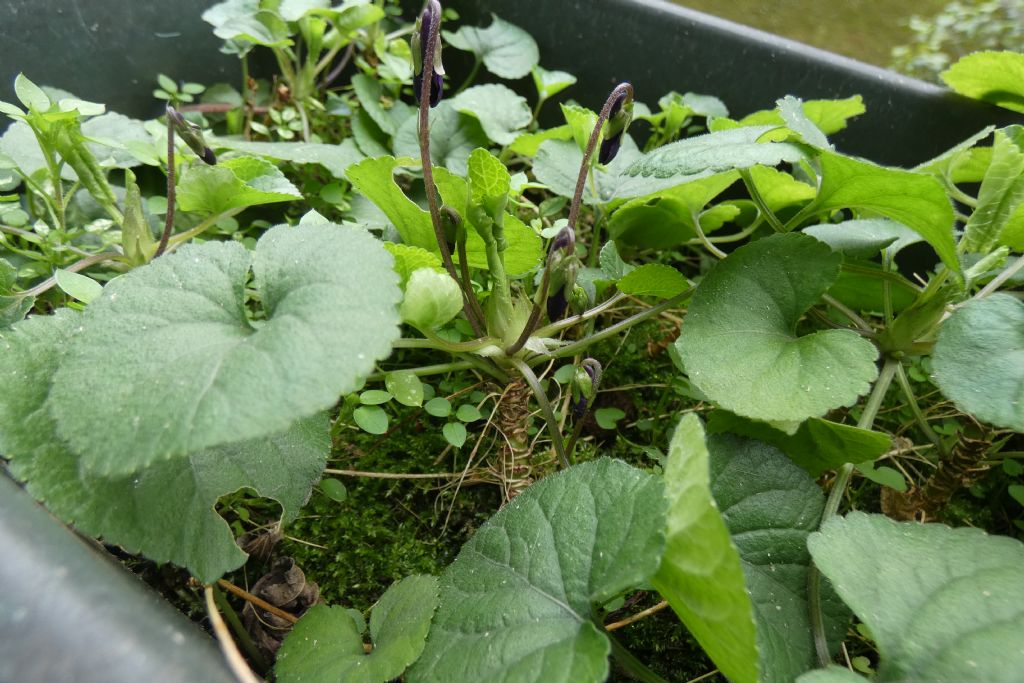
505,49
770,506
700,574
501,112
942,604
181,368
518,602
327,647
979,360
233,184
144,512
739,342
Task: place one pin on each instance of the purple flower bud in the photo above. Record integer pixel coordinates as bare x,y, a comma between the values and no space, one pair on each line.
557,303
565,242
619,117
586,384
420,42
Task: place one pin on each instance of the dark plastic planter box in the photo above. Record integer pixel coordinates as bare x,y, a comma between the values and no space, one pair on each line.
69,614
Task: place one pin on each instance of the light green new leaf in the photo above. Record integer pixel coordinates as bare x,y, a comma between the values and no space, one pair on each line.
251,24
816,446
335,158
739,342
180,324
527,144
716,152
770,506
409,259
78,286
327,647
518,602
488,177
996,77
431,299
779,189
1001,192
942,604
979,360
501,112
453,136
374,178
232,184
30,94
792,112
917,200
146,511
700,574
505,49
654,279
550,83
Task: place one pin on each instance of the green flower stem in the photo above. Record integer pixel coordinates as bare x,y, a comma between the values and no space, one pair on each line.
538,307
457,347
759,201
998,280
848,312
545,408
835,497
550,330
922,421
169,218
428,171
578,346
633,666
205,225
425,370
703,239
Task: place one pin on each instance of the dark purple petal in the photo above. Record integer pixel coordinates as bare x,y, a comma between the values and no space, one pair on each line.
609,148
557,304
436,89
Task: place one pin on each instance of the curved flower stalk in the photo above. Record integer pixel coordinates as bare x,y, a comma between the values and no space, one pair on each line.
193,137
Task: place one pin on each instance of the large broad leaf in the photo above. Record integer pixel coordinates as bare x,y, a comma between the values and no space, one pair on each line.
453,136
818,445
979,360
863,238
335,158
942,604
716,152
369,91
233,184
327,647
700,574
914,199
1001,193
505,49
518,602
739,342
145,512
180,366
770,506
501,112
996,77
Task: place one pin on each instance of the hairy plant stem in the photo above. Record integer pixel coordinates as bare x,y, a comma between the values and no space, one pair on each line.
578,346
169,218
633,666
428,171
762,205
574,213
848,312
202,227
703,239
998,280
545,408
835,497
549,330
425,370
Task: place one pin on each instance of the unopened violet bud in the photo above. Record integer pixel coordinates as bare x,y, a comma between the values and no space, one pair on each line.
557,303
564,242
619,117
192,135
586,382
420,41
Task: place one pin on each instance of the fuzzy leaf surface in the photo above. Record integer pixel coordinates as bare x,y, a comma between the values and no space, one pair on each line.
979,360
739,342
179,326
505,49
770,506
942,604
326,646
701,575
725,150
165,512
1001,193
517,603
654,279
